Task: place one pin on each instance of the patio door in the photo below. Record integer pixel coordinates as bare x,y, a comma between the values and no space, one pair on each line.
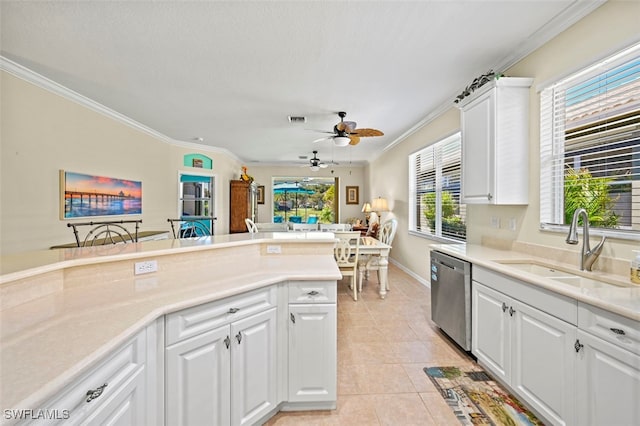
196,199
300,199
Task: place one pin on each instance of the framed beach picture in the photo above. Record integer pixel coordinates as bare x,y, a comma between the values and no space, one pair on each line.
83,195
352,195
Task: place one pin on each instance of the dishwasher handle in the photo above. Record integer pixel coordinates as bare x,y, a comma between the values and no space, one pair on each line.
450,262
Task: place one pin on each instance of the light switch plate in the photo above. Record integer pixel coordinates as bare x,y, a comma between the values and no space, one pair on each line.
495,222
274,249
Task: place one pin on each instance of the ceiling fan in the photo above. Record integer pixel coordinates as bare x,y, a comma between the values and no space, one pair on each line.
315,162
345,132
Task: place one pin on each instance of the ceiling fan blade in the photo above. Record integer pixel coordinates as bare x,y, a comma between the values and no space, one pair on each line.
323,166
323,139
355,140
364,133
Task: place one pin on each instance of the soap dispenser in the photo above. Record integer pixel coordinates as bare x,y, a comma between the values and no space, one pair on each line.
635,268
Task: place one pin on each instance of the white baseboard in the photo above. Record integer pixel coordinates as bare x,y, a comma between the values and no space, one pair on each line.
411,273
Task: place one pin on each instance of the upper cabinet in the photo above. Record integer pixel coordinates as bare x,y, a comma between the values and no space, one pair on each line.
495,143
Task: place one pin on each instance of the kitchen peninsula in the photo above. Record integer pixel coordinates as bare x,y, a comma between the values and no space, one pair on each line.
67,315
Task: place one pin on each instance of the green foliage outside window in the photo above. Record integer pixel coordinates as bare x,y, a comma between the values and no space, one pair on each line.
327,215
452,224
582,190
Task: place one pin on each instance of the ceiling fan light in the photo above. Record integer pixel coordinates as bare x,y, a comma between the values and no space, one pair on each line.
314,168
341,140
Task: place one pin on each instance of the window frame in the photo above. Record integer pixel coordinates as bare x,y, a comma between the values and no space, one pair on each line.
438,178
552,154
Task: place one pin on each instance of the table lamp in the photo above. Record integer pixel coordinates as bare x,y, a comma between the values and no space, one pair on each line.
379,205
366,209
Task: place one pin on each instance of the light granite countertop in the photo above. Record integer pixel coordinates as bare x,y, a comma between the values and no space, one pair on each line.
622,297
98,303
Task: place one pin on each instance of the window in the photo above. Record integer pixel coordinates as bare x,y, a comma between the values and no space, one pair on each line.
590,147
434,190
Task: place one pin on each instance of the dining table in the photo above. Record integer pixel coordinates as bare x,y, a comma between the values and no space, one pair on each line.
373,247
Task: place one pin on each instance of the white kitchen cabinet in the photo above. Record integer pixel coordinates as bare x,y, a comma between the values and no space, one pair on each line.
527,349
495,143
253,368
198,385
119,390
226,375
312,344
608,368
312,352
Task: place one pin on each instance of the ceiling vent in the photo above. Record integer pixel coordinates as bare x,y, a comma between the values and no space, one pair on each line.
297,119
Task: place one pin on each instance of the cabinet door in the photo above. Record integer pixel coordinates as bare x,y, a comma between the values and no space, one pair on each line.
543,372
198,381
478,134
312,353
253,367
491,336
608,383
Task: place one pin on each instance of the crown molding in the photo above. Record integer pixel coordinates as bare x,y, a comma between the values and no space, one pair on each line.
45,83
577,10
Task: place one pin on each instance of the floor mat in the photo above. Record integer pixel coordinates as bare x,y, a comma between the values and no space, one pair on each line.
476,399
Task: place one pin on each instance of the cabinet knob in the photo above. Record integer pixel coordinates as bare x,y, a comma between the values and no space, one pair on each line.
313,293
233,310
239,336
578,346
489,196
227,342
511,311
95,393
293,318
618,331
504,307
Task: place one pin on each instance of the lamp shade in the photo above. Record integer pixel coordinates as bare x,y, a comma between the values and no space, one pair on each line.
366,208
379,205
341,140
314,168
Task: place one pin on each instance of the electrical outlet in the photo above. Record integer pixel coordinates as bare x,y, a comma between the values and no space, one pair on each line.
513,223
495,222
274,249
146,267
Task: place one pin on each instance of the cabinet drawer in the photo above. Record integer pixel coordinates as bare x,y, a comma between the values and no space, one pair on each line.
199,319
620,331
312,292
117,371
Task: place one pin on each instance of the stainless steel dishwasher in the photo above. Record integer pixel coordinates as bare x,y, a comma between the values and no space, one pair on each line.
451,297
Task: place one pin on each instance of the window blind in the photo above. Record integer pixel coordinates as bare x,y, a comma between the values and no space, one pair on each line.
435,177
590,145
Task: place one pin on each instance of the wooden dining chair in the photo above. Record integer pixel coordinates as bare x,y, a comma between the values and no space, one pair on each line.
370,263
346,253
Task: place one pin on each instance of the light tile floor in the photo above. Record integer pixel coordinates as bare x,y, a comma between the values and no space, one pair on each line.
383,345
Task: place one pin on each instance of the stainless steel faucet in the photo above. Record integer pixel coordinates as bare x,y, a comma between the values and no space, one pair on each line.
588,256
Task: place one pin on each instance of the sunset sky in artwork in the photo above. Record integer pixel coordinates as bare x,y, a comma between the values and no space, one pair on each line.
101,184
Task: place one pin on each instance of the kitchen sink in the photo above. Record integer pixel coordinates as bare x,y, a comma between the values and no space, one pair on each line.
560,275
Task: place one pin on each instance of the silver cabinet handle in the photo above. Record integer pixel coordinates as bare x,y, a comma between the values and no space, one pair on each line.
489,196
313,293
504,307
233,310
512,311
227,341
239,336
293,318
618,331
578,346
95,393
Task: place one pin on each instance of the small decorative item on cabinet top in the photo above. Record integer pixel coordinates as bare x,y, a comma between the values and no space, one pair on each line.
244,176
352,195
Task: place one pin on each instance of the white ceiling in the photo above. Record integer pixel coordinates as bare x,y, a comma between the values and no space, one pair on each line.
231,72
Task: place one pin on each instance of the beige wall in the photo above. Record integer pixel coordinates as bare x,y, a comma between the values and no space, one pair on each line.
608,29
42,132
348,176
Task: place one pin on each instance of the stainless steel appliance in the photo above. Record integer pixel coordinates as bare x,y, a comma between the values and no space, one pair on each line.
451,297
